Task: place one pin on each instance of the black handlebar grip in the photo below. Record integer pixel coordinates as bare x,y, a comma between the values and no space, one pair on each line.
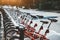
40,16
45,22
53,20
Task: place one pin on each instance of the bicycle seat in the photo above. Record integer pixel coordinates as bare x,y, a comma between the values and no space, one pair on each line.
31,22
53,20
35,25
45,22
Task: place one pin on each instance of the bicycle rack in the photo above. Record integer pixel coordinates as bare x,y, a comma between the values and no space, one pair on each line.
14,26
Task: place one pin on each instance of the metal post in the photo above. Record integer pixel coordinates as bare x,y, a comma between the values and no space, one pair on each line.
21,33
0,20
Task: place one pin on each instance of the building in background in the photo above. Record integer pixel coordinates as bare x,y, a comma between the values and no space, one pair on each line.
39,4
26,3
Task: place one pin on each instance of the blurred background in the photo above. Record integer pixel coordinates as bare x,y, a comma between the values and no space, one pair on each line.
37,4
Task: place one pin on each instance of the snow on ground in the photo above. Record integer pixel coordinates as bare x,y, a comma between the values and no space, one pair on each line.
53,35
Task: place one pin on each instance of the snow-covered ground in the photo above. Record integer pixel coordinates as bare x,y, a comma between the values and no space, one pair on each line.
54,28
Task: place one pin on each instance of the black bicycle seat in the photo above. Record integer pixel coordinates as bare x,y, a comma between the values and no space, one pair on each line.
53,20
31,22
45,22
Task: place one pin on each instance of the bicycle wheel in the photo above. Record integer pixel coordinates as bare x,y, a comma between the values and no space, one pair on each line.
15,38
